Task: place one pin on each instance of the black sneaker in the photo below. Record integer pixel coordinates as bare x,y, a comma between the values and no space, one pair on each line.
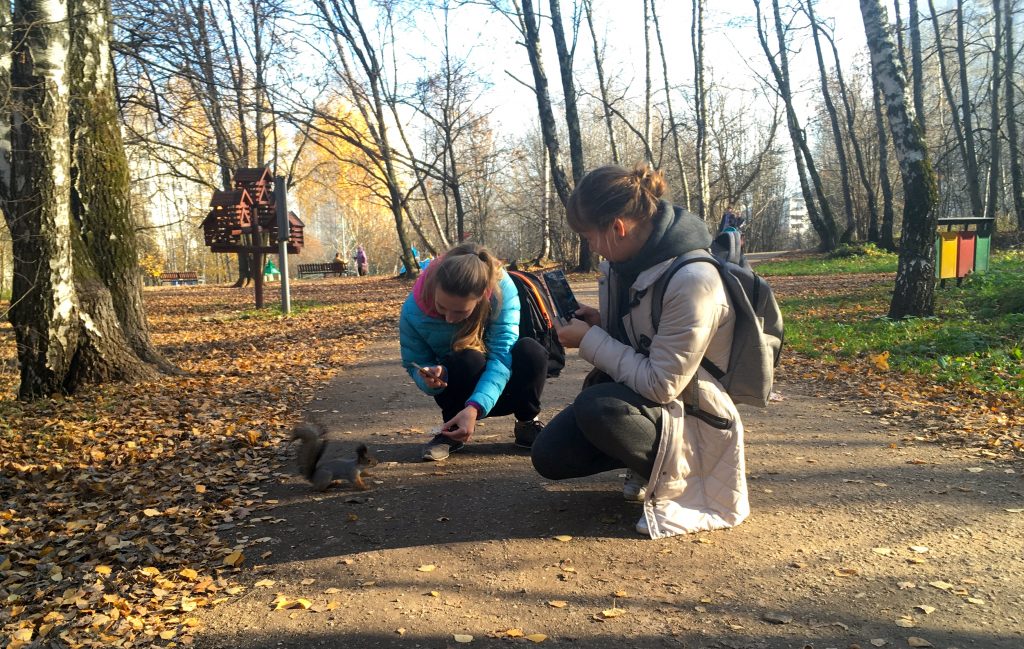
440,448
526,432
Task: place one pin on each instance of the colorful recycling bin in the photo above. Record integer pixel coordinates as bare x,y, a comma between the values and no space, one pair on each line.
965,253
982,250
945,251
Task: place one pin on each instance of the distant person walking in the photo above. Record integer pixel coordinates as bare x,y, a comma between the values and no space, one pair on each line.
730,219
362,261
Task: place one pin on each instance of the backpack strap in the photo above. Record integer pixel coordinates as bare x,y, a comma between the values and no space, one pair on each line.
657,298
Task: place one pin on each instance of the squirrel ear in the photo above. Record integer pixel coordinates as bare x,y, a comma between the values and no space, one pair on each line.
361,450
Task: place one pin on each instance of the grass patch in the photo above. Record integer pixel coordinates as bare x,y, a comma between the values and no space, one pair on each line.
861,258
977,334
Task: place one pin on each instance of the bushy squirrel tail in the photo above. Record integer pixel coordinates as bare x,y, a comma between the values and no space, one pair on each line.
311,450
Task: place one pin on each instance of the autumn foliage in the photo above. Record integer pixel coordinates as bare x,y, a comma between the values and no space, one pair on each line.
116,499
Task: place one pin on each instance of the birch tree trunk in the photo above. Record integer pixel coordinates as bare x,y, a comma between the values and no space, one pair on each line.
602,84
973,171
700,106
1016,176
851,130
995,166
885,236
673,126
363,74
916,61
100,191
914,293
540,89
44,306
647,81
822,221
837,132
572,120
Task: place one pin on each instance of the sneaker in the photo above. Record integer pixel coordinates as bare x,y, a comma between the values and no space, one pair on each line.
440,448
641,527
634,489
526,432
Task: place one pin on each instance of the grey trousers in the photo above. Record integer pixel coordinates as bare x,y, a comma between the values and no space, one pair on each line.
608,426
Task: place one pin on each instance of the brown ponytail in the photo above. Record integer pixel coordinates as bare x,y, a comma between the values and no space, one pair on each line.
467,270
611,191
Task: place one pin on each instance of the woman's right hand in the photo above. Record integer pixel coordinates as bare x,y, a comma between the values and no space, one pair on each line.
589,314
434,376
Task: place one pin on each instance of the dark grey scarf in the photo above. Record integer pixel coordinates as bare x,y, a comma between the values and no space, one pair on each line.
675,231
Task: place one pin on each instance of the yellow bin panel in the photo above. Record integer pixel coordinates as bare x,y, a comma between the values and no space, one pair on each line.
947,255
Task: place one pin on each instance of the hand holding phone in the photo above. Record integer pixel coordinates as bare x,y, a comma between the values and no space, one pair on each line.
433,376
561,294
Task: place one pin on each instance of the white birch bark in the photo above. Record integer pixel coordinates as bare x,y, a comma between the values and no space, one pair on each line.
44,309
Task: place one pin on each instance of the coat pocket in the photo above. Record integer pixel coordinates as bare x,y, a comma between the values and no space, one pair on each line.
721,423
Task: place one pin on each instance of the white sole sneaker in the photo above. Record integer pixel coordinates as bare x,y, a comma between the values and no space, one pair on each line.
634,489
641,527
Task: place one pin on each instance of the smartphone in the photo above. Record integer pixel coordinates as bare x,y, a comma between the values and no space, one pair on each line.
422,370
561,294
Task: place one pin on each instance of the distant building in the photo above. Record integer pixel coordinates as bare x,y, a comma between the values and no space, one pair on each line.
795,221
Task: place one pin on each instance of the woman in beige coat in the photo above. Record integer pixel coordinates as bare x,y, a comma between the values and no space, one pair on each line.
648,406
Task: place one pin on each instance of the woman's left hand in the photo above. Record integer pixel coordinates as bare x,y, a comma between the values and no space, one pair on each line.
571,333
461,426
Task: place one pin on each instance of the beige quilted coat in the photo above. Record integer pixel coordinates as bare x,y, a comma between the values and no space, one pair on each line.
698,480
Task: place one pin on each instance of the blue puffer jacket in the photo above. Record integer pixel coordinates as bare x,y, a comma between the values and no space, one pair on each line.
426,339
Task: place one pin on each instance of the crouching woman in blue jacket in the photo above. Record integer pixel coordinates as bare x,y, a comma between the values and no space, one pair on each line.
459,332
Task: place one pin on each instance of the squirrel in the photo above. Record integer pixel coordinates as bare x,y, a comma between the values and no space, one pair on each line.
322,472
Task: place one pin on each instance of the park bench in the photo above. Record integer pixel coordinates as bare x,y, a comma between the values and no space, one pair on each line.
179,278
322,269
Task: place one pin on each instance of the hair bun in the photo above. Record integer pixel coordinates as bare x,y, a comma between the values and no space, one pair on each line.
650,180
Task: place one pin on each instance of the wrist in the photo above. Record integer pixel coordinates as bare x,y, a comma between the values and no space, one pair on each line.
477,409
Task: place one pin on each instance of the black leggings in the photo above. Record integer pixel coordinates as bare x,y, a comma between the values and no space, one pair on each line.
521,396
608,426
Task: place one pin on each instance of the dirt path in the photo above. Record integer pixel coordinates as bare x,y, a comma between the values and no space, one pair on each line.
859,536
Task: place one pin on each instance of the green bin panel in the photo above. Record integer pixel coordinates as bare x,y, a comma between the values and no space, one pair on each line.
965,253
982,249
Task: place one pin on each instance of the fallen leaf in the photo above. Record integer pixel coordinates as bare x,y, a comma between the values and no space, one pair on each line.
536,637
882,551
920,549
189,574
924,608
881,360
878,642
463,638
914,641
234,559
612,612
905,622
427,567
564,538
557,603
308,581
975,600
515,633
264,583
103,570
941,585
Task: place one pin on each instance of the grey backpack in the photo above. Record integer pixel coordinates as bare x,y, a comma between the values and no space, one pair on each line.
757,338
